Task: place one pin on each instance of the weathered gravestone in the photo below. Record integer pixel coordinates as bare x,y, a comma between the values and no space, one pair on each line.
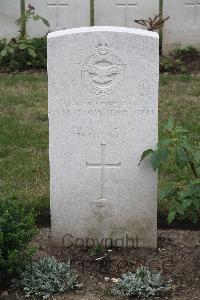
124,12
183,27
103,92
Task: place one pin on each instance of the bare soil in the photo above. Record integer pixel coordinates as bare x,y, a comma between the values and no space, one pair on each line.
177,256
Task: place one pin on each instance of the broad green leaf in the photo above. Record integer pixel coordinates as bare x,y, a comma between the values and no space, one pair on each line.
170,123
36,17
186,145
145,154
195,187
181,210
195,181
3,53
196,203
11,50
180,129
22,46
163,154
155,161
171,216
197,157
45,21
167,190
194,217
18,21
166,142
181,157
186,194
186,203
32,52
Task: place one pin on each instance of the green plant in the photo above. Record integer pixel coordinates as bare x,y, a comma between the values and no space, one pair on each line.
20,54
166,64
97,250
26,15
143,284
153,24
185,53
171,64
17,228
16,45
184,188
48,276
181,60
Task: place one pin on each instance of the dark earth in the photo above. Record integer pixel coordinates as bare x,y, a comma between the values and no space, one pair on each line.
188,64
177,256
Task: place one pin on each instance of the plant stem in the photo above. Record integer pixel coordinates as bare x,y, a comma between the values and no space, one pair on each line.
192,165
92,12
23,21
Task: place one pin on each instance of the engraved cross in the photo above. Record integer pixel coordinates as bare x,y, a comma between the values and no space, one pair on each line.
127,4
57,5
103,166
194,4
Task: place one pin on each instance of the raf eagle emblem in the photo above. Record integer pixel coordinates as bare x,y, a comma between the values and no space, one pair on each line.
105,74
103,71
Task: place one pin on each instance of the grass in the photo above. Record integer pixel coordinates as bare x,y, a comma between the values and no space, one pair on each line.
24,131
24,139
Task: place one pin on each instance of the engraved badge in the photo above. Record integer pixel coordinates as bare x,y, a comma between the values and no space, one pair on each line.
102,72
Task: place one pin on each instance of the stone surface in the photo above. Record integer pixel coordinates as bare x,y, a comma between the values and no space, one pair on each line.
9,13
124,12
183,27
68,13
103,91
61,14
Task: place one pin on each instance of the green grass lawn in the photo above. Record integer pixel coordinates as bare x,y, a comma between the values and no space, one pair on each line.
24,139
24,131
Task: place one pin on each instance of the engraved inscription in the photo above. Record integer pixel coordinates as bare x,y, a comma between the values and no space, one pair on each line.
92,113
103,167
102,72
57,5
126,5
195,5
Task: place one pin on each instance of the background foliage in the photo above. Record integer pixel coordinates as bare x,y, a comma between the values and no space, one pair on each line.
23,54
17,228
183,188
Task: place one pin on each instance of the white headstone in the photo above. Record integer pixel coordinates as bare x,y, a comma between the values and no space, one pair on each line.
61,14
183,27
124,12
103,93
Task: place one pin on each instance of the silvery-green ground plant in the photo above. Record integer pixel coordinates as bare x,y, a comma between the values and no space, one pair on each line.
143,284
46,277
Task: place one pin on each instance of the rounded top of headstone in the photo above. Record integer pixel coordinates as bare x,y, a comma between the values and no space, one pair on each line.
135,31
